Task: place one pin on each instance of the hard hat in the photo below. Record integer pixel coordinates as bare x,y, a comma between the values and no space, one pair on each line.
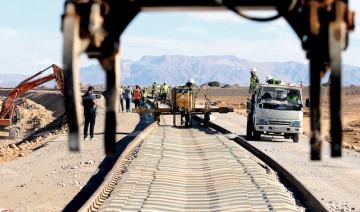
155,82
191,80
253,70
164,82
268,77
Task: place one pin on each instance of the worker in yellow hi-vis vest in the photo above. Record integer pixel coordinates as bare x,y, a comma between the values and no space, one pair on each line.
144,95
254,81
164,91
153,89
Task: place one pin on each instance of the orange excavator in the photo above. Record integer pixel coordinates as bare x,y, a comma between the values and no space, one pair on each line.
10,114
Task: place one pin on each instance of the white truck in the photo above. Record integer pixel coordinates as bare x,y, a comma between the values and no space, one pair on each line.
275,110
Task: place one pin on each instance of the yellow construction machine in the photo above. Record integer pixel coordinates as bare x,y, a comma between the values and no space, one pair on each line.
182,102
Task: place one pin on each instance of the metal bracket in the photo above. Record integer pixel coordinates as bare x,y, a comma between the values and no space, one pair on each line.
94,27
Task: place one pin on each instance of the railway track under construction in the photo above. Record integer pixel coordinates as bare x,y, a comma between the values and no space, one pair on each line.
168,168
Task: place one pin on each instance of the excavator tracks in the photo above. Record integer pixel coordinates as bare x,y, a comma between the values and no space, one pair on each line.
194,169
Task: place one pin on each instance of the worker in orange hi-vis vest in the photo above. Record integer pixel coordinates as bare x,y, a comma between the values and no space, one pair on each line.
137,96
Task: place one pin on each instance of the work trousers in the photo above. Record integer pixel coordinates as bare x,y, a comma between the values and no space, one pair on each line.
137,103
143,100
128,104
163,97
122,104
89,119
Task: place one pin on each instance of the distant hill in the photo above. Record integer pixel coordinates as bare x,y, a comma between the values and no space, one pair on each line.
177,69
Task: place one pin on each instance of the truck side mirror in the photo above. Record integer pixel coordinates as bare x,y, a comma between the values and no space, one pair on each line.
307,104
248,105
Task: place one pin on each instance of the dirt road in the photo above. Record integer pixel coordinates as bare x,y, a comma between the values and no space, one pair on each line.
51,176
334,181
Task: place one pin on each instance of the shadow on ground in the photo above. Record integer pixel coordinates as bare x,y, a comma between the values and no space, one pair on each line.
105,167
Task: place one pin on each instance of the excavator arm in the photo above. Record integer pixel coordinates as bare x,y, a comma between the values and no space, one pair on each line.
8,105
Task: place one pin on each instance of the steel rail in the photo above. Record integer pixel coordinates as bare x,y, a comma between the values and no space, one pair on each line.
108,184
309,199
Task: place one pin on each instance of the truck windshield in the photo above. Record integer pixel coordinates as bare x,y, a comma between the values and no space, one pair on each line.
281,98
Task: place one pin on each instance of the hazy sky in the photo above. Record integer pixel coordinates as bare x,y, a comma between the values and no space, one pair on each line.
30,36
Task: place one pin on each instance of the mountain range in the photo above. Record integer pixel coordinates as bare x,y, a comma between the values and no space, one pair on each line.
177,69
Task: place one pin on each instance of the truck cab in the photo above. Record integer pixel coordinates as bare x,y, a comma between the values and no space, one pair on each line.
275,110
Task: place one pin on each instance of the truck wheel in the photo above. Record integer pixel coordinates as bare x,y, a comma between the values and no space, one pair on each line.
296,137
249,128
256,134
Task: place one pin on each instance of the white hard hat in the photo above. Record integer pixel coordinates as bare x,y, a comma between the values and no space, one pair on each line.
191,80
253,70
155,81
164,82
268,77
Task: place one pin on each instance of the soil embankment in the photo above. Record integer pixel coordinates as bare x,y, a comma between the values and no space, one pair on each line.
51,100
41,120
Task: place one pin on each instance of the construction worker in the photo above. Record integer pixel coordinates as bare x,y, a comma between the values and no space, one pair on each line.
153,88
137,96
122,93
144,95
271,80
164,90
128,96
292,95
189,83
254,81
89,103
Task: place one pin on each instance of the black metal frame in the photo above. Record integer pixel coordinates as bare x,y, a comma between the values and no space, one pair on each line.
94,27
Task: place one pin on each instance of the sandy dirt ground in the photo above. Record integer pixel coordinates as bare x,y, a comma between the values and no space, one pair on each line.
52,178
34,119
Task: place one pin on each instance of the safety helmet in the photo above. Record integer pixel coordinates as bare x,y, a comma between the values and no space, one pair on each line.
191,80
268,77
253,70
164,82
155,82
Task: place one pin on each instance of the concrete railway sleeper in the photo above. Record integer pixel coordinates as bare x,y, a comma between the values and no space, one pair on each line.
189,169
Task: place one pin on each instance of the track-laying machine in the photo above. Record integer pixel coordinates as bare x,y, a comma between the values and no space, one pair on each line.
10,113
182,101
